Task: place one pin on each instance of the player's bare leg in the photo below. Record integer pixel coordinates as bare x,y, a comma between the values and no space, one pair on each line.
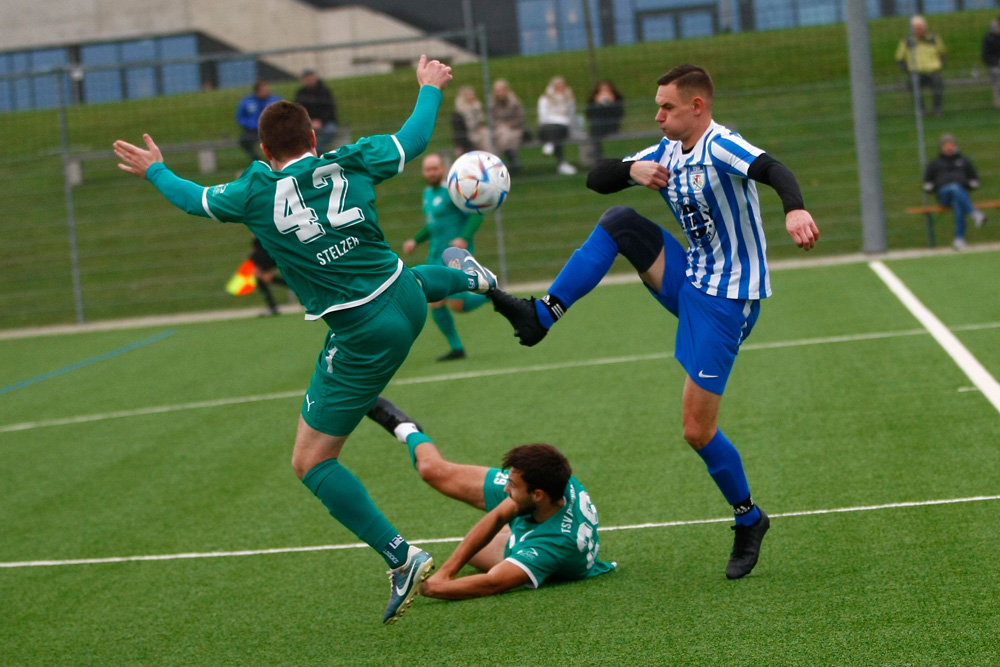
455,480
313,447
701,431
493,553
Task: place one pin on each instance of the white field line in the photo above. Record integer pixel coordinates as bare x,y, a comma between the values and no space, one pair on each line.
980,377
441,540
139,412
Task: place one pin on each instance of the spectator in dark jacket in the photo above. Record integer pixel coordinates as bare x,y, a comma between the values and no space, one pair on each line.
991,58
247,114
951,176
322,108
605,109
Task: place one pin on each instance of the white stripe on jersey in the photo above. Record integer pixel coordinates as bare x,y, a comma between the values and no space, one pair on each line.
402,155
717,207
204,204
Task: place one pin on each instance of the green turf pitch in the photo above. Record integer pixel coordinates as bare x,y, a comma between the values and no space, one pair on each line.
839,400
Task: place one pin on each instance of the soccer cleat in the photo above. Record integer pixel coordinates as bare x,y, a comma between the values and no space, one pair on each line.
404,582
459,258
452,356
387,415
520,313
746,547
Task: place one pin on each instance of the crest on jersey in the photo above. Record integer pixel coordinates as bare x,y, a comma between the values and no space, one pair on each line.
696,176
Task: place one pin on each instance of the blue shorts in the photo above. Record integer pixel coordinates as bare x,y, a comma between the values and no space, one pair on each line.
710,329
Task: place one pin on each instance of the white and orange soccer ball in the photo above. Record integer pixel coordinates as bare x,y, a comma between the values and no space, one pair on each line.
478,182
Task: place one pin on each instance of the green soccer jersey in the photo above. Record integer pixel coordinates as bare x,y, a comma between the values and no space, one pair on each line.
445,222
316,218
563,547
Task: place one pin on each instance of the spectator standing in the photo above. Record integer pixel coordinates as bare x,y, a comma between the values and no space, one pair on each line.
248,113
924,54
322,107
605,109
951,176
556,112
507,114
468,122
991,58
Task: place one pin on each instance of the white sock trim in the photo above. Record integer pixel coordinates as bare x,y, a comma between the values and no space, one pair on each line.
404,430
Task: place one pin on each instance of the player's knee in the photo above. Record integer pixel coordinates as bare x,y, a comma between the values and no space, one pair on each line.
300,465
697,435
639,239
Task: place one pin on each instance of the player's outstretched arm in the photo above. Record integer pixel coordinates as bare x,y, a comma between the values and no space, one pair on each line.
137,160
802,228
148,163
416,131
503,576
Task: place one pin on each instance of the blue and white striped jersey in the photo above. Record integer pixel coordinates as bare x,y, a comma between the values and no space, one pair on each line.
717,207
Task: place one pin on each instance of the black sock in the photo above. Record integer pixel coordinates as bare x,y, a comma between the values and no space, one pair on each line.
265,289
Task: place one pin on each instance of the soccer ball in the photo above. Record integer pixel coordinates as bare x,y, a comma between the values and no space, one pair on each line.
478,182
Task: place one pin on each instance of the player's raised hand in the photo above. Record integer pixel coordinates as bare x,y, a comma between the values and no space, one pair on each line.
651,174
802,228
137,160
433,73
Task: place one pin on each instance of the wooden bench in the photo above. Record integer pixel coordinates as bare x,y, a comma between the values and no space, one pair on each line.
937,208
207,160
931,209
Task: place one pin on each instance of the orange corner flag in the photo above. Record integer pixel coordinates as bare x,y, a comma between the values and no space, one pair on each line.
243,281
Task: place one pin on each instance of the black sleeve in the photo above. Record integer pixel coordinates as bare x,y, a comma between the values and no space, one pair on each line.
610,176
765,169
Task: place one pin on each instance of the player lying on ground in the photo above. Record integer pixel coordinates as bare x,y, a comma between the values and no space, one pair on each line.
315,215
540,523
707,177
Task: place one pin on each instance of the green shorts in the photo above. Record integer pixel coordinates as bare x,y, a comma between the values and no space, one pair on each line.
493,487
363,350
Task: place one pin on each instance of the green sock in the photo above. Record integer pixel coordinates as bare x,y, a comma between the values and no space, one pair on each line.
471,301
440,281
446,323
348,501
412,441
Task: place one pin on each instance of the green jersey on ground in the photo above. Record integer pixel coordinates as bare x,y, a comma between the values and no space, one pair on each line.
563,547
444,223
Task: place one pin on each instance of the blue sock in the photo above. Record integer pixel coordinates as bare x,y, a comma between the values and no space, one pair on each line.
412,441
726,468
584,270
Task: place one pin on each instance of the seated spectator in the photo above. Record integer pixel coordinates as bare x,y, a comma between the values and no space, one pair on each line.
507,114
556,113
468,123
991,58
605,109
924,54
247,114
322,108
950,176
